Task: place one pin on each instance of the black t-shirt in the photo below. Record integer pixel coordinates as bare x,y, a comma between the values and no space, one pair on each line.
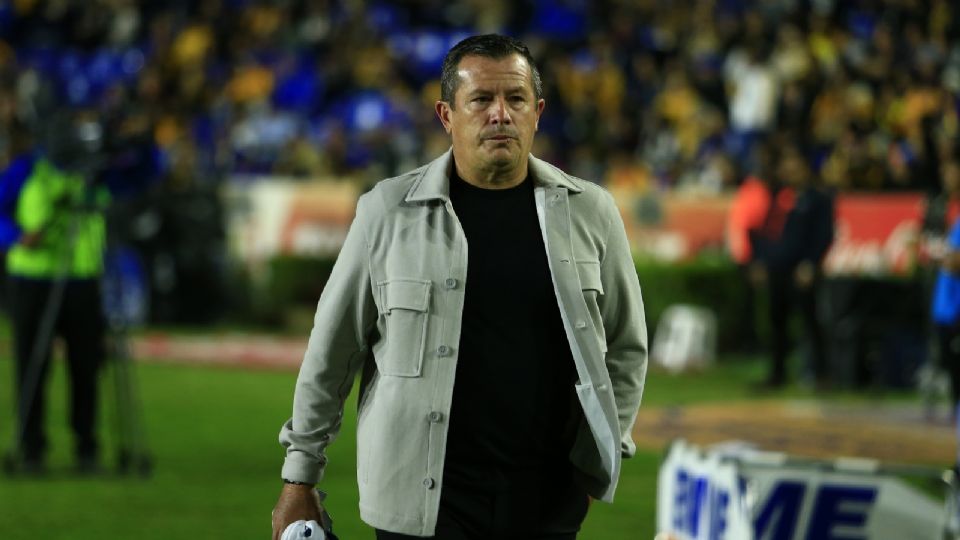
514,409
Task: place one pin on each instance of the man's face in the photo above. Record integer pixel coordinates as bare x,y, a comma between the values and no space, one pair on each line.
494,115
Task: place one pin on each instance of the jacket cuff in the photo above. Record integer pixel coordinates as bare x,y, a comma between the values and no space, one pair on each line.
627,447
299,467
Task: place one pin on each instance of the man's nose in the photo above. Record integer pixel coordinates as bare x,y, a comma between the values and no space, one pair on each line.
499,113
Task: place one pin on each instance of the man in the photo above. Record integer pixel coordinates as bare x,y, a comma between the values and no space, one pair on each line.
53,239
790,246
946,295
748,211
491,303
938,241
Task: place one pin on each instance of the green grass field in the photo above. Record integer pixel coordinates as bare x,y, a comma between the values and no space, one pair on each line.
213,432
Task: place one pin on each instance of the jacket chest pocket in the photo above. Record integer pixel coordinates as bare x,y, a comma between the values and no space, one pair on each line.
592,287
404,307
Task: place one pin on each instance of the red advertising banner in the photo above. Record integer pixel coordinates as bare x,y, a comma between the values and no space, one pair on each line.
876,234
275,216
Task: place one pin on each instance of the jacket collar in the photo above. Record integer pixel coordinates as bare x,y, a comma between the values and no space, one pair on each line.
434,179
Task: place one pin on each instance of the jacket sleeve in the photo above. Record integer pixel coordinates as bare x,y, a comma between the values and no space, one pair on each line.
621,307
337,348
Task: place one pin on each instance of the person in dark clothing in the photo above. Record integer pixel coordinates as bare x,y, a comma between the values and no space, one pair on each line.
946,296
790,247
941,213
54,238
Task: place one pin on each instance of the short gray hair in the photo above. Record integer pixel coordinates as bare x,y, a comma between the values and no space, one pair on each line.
493,46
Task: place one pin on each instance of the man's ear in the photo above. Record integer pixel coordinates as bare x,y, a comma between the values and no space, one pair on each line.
443,113
541,103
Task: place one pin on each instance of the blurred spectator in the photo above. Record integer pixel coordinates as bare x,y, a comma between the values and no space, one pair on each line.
940,214
943,208
301,158
748,212
753,98
791,244
946,296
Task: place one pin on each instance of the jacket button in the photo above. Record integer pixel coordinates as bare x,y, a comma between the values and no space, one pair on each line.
435,417
450,283
443,350
428,483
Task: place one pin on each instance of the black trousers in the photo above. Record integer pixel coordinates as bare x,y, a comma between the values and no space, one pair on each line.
748,339
785,296
81,325
552,509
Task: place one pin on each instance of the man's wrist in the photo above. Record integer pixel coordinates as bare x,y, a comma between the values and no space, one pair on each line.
296,483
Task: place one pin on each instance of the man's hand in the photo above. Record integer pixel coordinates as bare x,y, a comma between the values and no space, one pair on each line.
804,274
296,502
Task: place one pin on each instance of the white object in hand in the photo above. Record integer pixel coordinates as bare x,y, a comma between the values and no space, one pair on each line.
303,530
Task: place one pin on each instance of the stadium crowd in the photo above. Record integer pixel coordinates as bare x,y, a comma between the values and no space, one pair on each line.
650,93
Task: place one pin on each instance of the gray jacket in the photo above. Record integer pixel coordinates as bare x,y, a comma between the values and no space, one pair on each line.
392,309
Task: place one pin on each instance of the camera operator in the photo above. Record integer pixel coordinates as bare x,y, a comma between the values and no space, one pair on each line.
53,231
